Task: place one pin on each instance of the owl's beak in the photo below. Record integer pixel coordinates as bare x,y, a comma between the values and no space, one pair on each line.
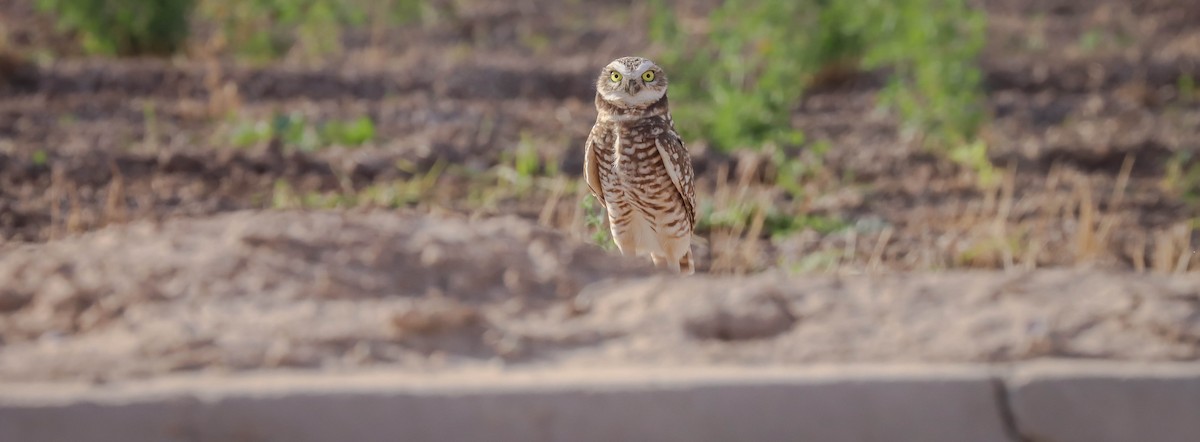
633,87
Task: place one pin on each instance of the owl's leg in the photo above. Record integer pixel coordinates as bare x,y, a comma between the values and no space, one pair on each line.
687,263
625,238
663,262
620,223
678,254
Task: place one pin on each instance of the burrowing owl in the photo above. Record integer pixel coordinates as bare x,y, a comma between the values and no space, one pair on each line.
638,168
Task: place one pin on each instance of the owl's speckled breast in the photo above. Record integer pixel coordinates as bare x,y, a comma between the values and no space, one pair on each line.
635,178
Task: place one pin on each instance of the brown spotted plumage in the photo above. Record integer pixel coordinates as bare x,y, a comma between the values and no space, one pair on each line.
637,166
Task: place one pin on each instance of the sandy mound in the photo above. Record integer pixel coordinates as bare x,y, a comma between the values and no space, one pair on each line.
953,317
347,290
277,289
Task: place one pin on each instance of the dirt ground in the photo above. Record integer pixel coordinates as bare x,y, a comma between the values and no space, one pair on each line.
1076,89
135,239
340,291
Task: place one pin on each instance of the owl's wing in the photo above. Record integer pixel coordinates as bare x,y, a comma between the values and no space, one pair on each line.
679,167
590,167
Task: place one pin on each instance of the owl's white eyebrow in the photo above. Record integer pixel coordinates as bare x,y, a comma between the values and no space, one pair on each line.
646,64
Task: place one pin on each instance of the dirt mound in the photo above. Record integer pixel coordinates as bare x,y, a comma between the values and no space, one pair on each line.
347,290
278,288
907,317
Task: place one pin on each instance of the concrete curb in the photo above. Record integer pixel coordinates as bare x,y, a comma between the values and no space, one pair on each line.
1041,401
1106,402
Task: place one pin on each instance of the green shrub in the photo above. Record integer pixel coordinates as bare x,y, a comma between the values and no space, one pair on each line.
737,84
933,47
266,29
124,27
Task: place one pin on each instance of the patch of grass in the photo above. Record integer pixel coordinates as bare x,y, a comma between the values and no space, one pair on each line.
594,220
792,171
255,29
817,262
1089,40
150,121
991,251
267,29
557,201
1035,41
1182,177
519,168
777,223
250,133
782,225
736,215
40,157
1187,88
295,131
417,190
354,132
973,155
124,27
1097,40
524,182
284,196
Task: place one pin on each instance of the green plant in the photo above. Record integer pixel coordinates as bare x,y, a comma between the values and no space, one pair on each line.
593,216
932,47
250,133
295,131
150,120
782,225
1089,40
124,27
818,262
1183,177
526,160
739,82
348,133
418,189
267,29
792,170
40,157
1187,88
521,168
739,214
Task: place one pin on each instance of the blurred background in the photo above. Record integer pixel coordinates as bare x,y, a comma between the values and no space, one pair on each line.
828,135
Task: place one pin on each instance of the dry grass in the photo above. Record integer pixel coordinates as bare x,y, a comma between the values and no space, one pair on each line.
1064,224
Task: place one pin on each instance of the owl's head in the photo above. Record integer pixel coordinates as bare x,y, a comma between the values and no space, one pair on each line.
632,82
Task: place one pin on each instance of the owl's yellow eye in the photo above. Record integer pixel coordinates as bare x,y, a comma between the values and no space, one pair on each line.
648,76
615,76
